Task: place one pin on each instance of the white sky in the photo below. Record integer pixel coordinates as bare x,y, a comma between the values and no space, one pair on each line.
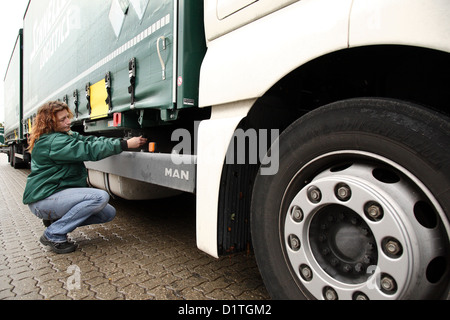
11,20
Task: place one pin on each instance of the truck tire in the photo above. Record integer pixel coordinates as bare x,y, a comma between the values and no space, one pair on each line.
12,156
359,208
16,162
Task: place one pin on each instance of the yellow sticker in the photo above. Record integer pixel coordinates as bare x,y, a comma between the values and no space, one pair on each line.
99,95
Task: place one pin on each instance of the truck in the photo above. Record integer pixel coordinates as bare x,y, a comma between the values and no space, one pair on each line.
313,133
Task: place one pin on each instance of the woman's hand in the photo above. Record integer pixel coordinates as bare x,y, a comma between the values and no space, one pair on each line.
136,142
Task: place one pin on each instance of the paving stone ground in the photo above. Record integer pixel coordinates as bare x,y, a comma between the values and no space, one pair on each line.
147,252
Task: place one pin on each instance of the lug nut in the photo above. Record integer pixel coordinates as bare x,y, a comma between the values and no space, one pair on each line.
294,242
388,284
343,192
306,272
297,214
330,294
314,194
360,296
392,248
373,211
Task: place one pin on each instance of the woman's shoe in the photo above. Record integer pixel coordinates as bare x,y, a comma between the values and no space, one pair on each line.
58,247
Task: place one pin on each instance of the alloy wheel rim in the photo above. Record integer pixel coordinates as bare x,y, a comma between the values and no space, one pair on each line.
364,230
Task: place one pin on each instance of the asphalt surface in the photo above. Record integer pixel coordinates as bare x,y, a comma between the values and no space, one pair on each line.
147,252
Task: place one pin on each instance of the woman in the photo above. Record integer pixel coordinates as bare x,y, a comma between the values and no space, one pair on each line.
56,189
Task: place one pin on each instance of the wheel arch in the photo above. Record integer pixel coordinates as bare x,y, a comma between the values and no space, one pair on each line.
410,73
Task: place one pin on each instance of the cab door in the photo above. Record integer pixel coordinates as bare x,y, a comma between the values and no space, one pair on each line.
226,8
224,16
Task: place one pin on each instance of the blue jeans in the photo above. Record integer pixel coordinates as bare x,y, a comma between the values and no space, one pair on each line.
75,207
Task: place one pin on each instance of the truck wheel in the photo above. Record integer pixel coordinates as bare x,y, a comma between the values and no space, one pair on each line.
359,207
16,162
11,155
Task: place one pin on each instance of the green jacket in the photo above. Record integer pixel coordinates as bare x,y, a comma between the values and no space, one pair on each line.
58,162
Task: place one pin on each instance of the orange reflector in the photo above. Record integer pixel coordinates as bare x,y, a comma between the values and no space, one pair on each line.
117,119
152,147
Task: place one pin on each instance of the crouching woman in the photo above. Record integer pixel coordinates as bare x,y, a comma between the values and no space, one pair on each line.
56,189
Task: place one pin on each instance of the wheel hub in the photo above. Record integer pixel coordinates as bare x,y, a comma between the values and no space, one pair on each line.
343,244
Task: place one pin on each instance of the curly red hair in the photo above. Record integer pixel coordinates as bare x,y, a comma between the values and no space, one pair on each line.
45,121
